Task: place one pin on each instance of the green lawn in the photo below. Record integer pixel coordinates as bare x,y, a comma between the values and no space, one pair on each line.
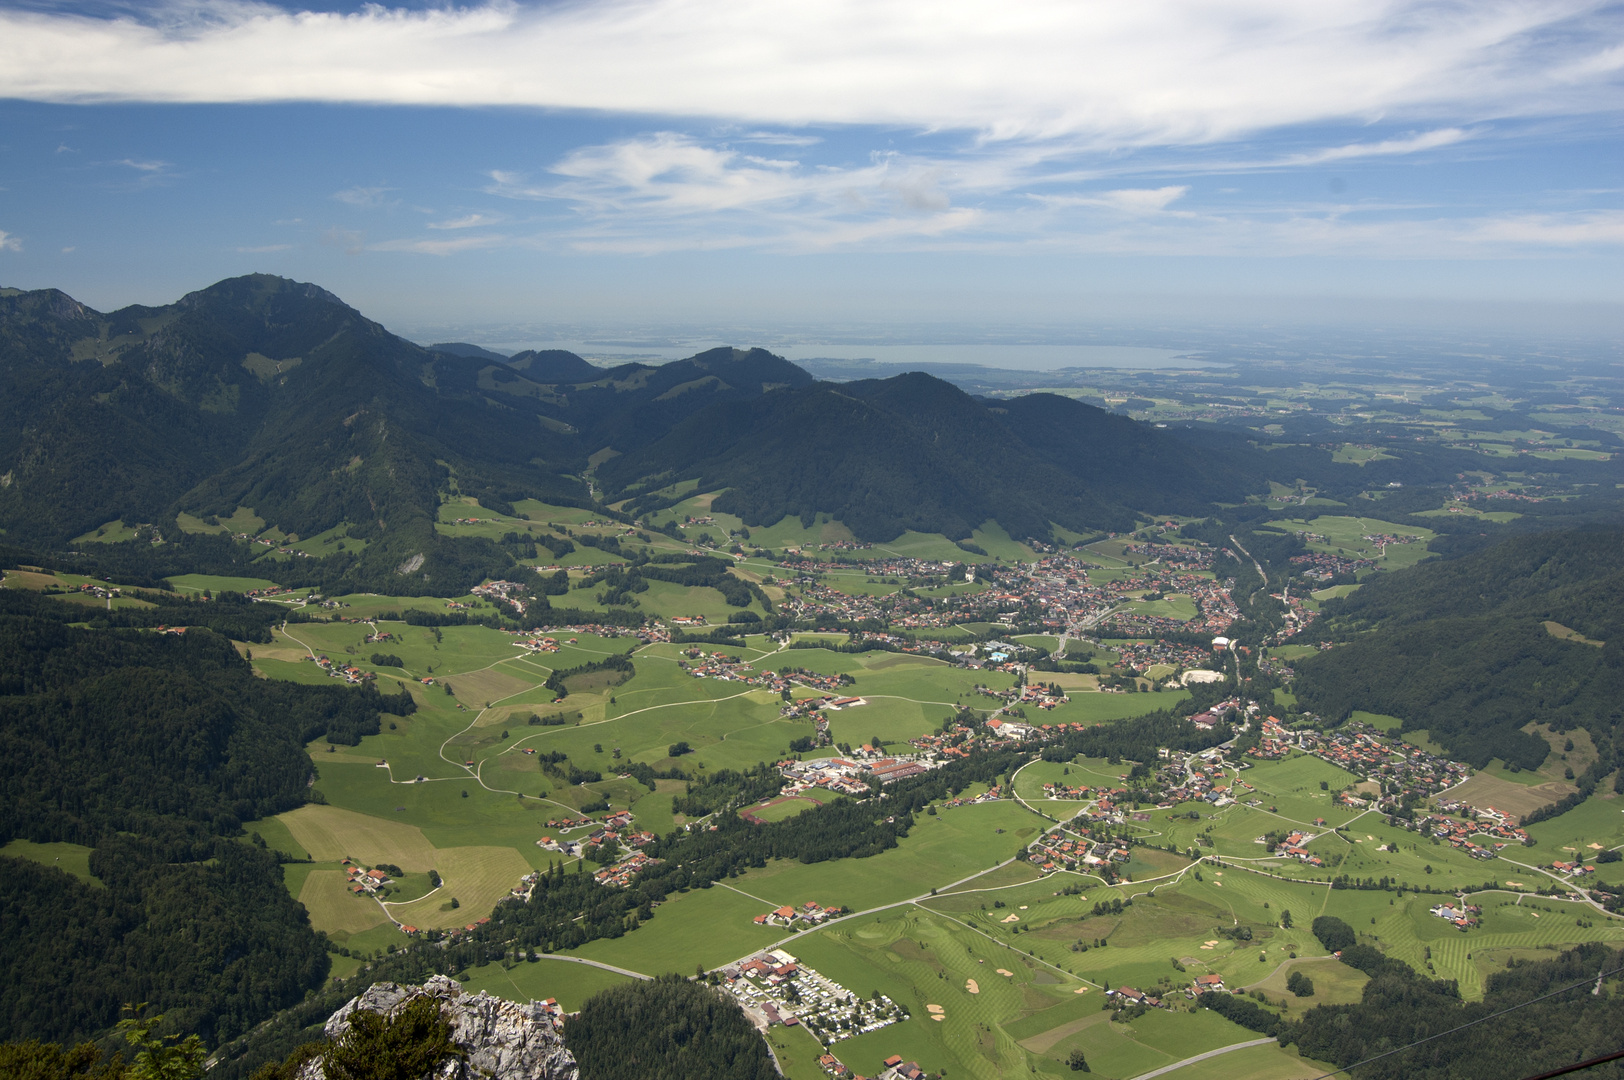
71,858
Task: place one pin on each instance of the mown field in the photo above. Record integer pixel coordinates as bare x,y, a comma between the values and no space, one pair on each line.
951,903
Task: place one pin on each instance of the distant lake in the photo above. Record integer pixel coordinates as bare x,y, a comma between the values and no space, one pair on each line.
1008,357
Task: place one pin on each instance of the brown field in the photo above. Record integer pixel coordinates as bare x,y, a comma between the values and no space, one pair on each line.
27,579
326,895
474,688
1567,633
1579,758
1253,1063
1040,1043
330,834
477,876
1485,790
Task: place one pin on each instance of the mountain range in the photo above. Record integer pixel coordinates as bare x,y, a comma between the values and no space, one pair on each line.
274,395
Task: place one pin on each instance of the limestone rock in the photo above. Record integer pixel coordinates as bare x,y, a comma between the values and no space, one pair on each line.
503,1040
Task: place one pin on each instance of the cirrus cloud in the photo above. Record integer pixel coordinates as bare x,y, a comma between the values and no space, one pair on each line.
1102,73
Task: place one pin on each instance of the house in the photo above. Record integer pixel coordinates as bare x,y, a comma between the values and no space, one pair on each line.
1209,982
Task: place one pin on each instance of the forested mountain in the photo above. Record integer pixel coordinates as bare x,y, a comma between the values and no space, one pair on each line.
269,395
914,452
151,750
255,392
1461,647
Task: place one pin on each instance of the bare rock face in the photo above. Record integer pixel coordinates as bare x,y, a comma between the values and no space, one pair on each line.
503,1040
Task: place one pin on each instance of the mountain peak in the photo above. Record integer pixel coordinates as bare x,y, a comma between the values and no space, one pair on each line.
258,292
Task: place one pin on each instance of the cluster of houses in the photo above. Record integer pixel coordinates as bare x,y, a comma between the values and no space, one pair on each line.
510,593
1295,846
777,988
1501,828
1396,766
540,644
1462,914
267,592
616,827
1060,850
1573,869
621,873
919,647
348,672
1188,777
364,881
808,914
1175,557
818,601
1324,567
717,665
1141,656
261,541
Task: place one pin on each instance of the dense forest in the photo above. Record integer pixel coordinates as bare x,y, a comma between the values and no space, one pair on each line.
668,1028
151,749
1399,1007
1461,647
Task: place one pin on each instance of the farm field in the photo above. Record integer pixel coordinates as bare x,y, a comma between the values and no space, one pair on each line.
1346,535
452,788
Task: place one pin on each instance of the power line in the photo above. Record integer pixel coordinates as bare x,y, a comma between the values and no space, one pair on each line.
1587,981
1564,1070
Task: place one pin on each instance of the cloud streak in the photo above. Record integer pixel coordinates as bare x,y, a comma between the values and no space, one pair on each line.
1098,73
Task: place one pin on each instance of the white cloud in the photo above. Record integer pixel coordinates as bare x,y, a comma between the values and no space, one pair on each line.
148,167
1126,200
441,247
1575,230
1098,73
470,221
670,191
367,197
9,242
1429,140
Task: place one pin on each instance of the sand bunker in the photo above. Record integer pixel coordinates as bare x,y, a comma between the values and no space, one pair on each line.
972,986
1081,990
1005,972
1023,907
933,1009
938,1018
1011,918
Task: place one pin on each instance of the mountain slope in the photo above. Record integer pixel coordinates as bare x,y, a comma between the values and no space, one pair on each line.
1461,647
255,392
914,452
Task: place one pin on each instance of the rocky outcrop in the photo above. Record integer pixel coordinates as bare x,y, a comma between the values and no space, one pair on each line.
501,1040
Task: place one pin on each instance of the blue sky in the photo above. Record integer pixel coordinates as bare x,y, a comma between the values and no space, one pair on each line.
898,166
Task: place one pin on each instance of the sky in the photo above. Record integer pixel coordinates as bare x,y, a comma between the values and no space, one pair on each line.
902,169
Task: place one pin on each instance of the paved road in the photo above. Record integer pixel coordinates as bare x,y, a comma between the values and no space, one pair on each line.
1201,1057
594,963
